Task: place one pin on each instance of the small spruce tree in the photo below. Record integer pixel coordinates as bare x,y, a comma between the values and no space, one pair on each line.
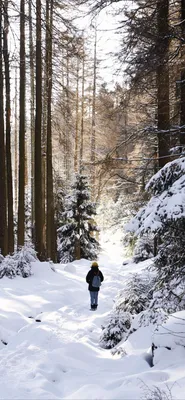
75,236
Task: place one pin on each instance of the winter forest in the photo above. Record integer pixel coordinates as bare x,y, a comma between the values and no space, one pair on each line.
92,171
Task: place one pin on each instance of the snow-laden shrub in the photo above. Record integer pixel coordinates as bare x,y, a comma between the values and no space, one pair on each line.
8,267
156,393
170,261
144,249
119,351
19,263
131,301
137,295
116,329
152,315
165,301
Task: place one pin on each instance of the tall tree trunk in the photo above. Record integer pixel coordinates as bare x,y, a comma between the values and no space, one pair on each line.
50,231
38,150
77,117
3,217
44,121
163,82
182,99
16,144
82,111
8,132
68,133
21,205
32,121
93,134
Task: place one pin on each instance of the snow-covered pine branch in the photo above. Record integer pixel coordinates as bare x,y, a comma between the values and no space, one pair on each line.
167,202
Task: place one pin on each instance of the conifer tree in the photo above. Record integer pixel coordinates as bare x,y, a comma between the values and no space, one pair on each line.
75,237
164,216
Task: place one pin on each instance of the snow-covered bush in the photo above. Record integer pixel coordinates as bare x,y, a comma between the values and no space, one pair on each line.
170,261
75,236
156,393
8,267
144,248
119,351
131,301
137,295
116,329
19,263
166,300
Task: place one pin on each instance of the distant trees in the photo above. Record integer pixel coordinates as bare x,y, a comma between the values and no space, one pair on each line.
69,119
30,150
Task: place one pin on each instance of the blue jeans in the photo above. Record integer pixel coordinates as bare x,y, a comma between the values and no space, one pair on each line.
94,298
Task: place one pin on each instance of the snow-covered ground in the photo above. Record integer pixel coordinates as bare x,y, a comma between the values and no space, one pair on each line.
49,346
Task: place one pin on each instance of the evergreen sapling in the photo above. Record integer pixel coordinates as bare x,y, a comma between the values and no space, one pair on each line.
75,236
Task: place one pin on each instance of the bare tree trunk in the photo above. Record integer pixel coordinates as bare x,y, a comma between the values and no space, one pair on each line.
77,239
3,218
182,101
82,111
21,205
93,134
38,150
50,231
16,146
32,119
8,132
77,117
62,138
44,121
68,133
163,83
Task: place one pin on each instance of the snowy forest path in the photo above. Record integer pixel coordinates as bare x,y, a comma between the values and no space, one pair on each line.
52,337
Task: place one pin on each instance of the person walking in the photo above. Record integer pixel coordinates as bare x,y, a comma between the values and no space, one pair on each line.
94,278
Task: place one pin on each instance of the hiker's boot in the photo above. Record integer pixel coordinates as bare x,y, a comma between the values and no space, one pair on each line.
92,307
95,306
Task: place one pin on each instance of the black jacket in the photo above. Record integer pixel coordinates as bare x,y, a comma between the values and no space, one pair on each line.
89,278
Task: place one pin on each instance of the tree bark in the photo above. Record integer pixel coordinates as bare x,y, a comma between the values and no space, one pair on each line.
16,144
50,231
8,132
32,121
163,83
76,160
44,121
38,150
93,134
3,210
182,94
82,110
67,122
21,205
